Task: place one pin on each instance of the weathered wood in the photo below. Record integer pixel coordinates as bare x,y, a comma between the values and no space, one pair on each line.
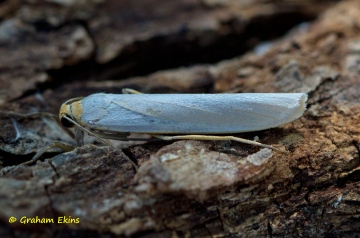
185,188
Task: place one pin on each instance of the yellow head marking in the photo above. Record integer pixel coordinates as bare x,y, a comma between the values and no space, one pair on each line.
71,108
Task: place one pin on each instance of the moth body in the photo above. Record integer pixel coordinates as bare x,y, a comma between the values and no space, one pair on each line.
184,113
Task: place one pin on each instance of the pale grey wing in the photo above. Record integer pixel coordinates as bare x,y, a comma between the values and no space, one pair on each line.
190,113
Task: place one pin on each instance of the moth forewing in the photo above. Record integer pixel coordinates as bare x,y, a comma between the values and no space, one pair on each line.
194,116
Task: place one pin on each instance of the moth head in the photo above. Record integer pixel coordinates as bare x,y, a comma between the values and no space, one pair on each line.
71,109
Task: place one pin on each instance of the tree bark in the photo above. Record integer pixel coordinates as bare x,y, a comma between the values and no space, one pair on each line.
52,51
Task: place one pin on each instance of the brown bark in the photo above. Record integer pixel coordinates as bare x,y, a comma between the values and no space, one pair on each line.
184,188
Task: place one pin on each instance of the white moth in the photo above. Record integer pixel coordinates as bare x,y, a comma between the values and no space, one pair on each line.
188,116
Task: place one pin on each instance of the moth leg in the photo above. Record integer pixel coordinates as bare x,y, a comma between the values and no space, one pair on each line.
130,91
219,138
79,136
64,147
98,136
125,138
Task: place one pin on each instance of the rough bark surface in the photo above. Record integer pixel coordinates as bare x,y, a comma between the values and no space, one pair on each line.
51,51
